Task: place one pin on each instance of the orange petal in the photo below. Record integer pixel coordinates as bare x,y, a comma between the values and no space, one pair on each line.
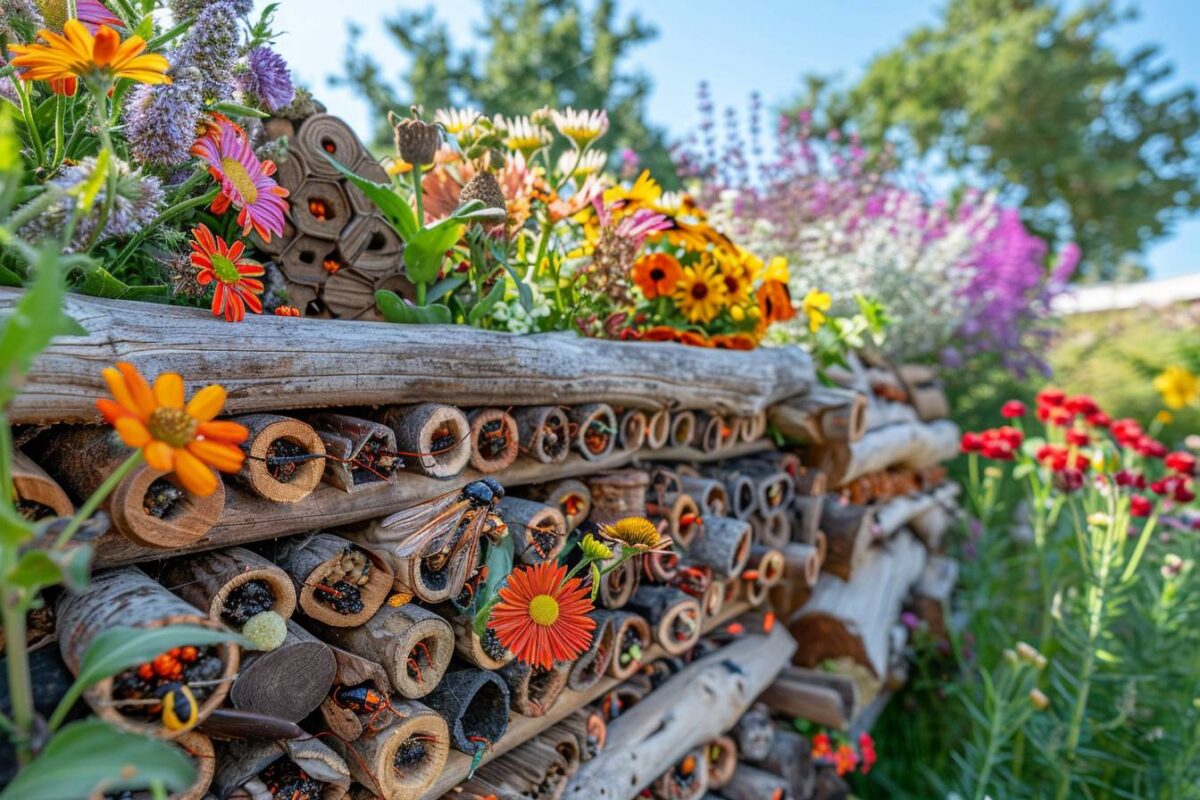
143,398
119,389
223,431
112,411
168,390
132,431
106,45
207,403
224,457
160,455
197,478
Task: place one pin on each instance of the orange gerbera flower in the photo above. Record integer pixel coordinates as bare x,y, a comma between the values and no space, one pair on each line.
172,436
775,302
661,333
236,277
75,53
541,618
657,274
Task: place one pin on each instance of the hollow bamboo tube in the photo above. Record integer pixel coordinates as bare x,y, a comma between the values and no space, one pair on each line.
595,429
148,507
661,566
619,584
434,439
588,728
773,529
713,599
776,489
240,767
495,442
768,564
630,631
128,597
572,497
618,494
658,429
359,451
674,616
803,563
683,429
413,644
533,690
807,518
470,647
207,581
724,546
37,494
754,427
739,488
199,750
631,433
317,563
752,783
589,668
275,437
544,433
404,759
352,671
539,531
288,682
681,513
708,493
712,433
685,780
475,704
722,756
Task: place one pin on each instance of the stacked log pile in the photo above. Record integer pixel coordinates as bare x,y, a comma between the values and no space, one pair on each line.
375,681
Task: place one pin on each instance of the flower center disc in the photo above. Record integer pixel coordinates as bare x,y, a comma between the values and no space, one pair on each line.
226,271
699,291
543,610
240,178
172,425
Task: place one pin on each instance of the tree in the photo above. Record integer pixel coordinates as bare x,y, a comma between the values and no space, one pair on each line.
533,53
1034,101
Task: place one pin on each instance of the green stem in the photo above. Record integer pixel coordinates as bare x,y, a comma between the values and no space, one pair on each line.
100,101
35,136
60,111
20,687
174,211
89,507
6,459
418,194
993,749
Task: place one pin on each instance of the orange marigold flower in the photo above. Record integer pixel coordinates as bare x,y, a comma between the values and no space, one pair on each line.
821,747
236,277
657,274
75,53
173,436
287,311
542,618
845,759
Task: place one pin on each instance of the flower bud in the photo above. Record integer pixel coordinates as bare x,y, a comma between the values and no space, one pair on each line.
1039,699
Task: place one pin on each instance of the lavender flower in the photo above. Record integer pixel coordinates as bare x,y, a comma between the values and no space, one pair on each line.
212,49
160,121
268,79
17,14
182,9
136,205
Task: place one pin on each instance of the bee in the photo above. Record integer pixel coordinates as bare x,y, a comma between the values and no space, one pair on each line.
440,529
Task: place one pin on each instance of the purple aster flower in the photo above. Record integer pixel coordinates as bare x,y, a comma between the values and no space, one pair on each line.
182,9
160,121
212,48
268,79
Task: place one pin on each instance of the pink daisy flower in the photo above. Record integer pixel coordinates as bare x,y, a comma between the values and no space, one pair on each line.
93,14
246,182
236,278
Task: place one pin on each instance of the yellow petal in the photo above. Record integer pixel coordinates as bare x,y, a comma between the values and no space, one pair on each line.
207,403
160,455
132,431
196,478
168,390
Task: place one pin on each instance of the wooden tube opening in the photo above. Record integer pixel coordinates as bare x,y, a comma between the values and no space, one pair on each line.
324,135
247,768
661,566
360,451
632,637
591,665
686,780
539,531
274,468
712,433
803,563
495,441
768,564
722,755
128,597
683,429
38,496
475,704
405,758
619,585
199,750
485,652
432,439
338,583
618,494
632,430
533,690
544,433
682,515
232,585
658,429
572,497
754,427
713,599
674,616
724,546
709,494
772,530
595,430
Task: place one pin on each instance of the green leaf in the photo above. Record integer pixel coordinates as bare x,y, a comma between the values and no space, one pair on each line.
14,529
484,307
32,324
87,191
99,282
524,293
35,570
90,757
444,287
394,207
238,110
426,249
394,309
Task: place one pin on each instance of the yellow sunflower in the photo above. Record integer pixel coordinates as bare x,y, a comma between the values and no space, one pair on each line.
816,303
737,276
701,293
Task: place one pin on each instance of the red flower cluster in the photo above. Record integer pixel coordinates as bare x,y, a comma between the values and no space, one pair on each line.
1129,434
1013,409
1059,457
1177,487
845,758
1056,408
866,748
1181,463
998,443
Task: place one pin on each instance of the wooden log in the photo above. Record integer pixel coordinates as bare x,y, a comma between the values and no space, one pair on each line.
475,705
823,415
323,134
848,533
288,682
790,759
359,452
708,493
674,617
802,562
591,665
413,644
713,600
658,429
535,769
485,653
914,445
772,530
533,690
754,733
212,582
572,497
246,768
128,597
712,432
754,426
37,494
824,698
632,429
364,364
807,518
931,526
544,433
775,487
739,488
267,471
352,671
722,757
854,619
686,780
925,391
320,209
594,429
539,531
404,759
590,731
495,441
752,783
619,584
618,494
149,507
683,429
632,636
435,439
767,564
932,593
337,582
724,545
693,707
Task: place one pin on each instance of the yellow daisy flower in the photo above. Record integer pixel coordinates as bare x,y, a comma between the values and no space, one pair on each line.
701,293
1179,387
816,303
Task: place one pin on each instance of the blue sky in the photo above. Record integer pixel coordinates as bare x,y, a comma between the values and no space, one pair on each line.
738,47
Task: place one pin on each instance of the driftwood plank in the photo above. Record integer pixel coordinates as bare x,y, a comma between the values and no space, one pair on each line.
274,363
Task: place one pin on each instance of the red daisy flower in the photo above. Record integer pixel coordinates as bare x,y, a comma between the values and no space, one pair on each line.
541,618
236,277
246,182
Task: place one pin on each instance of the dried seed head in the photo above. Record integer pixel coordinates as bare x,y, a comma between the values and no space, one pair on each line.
417,142
486,189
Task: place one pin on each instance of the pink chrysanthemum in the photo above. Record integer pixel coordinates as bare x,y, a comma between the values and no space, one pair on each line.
246,182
